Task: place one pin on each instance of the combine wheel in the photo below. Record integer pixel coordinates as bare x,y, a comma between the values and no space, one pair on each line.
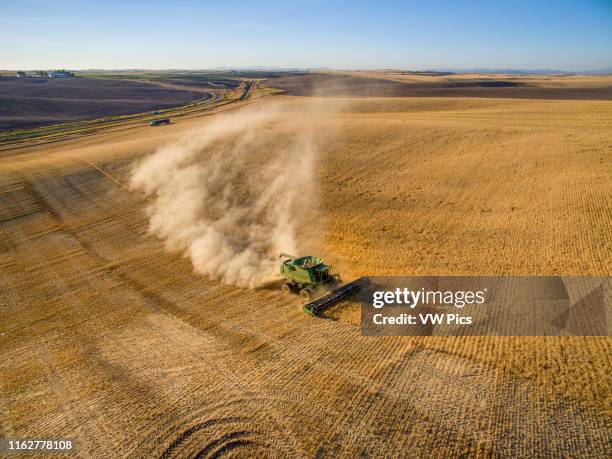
286,288
305,294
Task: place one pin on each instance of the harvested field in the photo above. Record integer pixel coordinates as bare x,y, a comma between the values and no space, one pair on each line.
109,338
373,84
30,102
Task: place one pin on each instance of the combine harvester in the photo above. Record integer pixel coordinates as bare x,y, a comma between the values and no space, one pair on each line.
307,275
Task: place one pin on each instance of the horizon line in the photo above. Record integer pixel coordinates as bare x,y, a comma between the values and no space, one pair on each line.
264,68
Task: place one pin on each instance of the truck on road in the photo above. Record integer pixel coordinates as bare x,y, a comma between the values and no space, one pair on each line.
160,121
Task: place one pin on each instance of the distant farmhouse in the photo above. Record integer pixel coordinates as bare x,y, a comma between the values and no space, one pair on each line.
45,74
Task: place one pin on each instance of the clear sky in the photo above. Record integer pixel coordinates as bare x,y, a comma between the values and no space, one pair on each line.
559,34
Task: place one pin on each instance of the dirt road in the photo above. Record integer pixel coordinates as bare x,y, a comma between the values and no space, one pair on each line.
109,339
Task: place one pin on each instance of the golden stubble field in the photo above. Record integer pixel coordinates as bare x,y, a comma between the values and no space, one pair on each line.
537,80
108,338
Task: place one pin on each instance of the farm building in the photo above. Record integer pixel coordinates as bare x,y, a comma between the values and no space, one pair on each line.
60,74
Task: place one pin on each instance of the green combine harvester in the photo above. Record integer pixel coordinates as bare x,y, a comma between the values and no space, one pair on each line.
308,275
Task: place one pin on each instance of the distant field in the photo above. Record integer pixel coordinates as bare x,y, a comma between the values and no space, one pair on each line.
398,84
26,103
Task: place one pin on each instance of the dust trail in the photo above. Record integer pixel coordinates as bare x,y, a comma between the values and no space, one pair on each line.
231,195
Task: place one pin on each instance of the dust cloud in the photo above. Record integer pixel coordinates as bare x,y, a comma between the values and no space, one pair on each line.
231,195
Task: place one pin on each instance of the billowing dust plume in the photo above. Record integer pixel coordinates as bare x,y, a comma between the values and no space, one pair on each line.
230,196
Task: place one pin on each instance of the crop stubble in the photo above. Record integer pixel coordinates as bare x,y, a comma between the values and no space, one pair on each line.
109,338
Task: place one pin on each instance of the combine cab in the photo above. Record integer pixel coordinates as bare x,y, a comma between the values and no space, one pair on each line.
306,275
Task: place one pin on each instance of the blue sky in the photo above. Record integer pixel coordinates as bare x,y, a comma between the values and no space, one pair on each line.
569,35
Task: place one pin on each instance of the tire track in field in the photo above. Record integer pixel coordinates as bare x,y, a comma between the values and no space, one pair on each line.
159,304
